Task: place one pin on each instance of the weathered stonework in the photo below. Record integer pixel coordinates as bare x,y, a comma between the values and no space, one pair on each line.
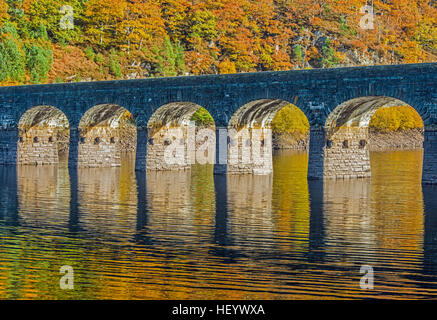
346,154
316,92
8,147
43,136
411,139
250,152
285,141
430,157
40,146
105,133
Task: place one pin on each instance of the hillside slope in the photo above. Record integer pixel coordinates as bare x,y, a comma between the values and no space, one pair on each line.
44,41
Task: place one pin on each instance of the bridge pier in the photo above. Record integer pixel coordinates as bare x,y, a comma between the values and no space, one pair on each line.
430,157
221,151
141,153
73,151
316,153
8,146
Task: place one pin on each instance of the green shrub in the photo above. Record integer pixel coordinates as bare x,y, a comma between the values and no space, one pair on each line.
12,58
343,25
89,52
298,53
39,61
114,64
99,58
329,57
202,118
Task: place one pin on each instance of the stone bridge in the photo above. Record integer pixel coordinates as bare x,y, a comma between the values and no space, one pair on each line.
94,122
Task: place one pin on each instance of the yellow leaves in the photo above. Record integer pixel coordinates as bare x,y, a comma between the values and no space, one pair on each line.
142,22
227,66
290,119
199,63
396,118
411,52
426,32
312,53
3,11
102,17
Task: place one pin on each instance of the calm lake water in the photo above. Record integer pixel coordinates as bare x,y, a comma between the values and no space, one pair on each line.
193,235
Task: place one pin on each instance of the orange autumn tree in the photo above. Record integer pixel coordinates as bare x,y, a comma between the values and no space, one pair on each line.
3,11
141,26
141,38
102,18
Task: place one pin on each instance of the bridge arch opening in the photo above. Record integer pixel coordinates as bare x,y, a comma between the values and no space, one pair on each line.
259,127
180,134
43,136
361,125
107,134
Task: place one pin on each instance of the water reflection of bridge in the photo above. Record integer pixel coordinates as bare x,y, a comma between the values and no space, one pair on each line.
193,216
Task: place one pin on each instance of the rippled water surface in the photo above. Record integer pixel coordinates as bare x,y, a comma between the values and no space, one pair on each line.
193,235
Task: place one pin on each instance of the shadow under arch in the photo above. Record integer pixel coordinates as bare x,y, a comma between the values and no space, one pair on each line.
250,136
347,134
180,134
106,133
43,136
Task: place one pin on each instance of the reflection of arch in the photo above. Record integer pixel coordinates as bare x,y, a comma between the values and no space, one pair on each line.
171,124
106,131
44,133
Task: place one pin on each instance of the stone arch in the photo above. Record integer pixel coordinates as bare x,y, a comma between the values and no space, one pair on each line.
171,127
43,136
255,114
250,123
359,111
347,148
106,133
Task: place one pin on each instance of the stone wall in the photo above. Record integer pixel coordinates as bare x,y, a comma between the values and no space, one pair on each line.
346,154
316,153
397,140
250,152
316,92
42,145
38,146
430,157
103,146
8,146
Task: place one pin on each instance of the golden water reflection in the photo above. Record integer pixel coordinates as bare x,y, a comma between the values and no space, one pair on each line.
193,235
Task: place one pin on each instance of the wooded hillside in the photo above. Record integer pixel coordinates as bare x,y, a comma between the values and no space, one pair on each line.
124,39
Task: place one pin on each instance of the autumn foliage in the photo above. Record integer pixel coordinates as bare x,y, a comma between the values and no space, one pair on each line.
396,119
114,39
